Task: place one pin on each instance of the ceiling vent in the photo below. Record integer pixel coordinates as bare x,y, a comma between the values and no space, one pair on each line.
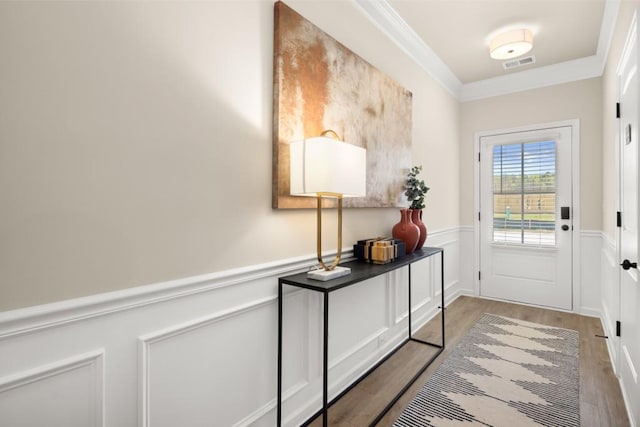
508,65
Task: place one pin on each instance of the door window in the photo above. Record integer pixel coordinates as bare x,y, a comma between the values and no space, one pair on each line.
524,193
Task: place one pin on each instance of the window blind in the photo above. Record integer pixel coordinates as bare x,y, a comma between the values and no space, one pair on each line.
524,193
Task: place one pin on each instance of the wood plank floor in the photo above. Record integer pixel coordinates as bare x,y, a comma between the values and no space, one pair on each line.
601,402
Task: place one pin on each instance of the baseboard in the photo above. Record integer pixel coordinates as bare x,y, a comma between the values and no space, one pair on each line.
589,312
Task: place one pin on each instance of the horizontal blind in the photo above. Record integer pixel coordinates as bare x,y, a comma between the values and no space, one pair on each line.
531,165
524,186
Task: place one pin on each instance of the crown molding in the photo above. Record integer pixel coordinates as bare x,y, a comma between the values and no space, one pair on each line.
393,26
565,72
607,28
382,14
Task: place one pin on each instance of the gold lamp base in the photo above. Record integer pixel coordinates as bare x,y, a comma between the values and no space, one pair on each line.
333,271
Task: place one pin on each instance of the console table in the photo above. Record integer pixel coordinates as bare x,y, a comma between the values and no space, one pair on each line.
360,271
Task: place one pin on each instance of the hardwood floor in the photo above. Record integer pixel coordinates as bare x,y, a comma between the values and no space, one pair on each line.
601,402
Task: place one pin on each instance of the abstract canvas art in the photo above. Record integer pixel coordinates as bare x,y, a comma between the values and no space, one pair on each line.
319,84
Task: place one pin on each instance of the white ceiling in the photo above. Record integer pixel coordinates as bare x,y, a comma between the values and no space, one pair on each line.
449,38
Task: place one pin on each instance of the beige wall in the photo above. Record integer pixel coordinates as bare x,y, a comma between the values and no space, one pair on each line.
609,121
135,143
577,100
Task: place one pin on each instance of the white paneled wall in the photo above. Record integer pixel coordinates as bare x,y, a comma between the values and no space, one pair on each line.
587,285
587,290
29,397
202,351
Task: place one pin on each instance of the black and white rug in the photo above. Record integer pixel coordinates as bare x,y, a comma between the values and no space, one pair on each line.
504,372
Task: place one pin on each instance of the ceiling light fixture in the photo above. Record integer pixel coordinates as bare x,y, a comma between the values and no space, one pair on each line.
511,44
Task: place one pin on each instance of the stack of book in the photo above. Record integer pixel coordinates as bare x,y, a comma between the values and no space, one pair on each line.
379,250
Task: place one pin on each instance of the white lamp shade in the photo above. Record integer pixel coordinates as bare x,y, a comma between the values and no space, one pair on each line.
511,44
326,165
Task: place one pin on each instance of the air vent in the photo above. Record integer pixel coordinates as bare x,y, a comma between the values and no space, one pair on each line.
508,65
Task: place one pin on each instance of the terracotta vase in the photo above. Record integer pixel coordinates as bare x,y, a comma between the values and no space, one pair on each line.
416,218
406,231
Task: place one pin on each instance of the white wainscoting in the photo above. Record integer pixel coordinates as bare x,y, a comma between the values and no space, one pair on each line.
586,288
202,351
43,395
469,262
588,301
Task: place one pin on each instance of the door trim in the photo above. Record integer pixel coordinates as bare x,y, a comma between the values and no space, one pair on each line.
575,199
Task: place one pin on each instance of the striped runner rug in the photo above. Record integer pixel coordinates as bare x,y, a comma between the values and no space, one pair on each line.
504,372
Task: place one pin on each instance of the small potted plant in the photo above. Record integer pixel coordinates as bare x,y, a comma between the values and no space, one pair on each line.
415,189
411,229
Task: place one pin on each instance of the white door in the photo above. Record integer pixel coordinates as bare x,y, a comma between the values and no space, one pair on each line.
629,284
526,217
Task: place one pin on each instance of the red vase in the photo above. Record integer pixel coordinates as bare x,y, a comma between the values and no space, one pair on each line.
416,218
406,231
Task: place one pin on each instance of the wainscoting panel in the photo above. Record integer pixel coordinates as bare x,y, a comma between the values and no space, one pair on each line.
357,311
401,293
203,350
425,284
469,262
587,289
202,367
63,393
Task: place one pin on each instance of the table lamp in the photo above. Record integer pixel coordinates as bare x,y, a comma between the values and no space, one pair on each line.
326,167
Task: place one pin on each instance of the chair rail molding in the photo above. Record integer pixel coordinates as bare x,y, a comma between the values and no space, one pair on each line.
208,336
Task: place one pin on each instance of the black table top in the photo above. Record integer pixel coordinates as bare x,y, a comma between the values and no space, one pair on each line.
360,271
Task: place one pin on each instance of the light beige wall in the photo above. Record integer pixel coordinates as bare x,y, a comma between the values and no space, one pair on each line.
610,124
577,100
135,143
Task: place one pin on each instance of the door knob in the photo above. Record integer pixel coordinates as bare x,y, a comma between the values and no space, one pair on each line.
626,264
565,227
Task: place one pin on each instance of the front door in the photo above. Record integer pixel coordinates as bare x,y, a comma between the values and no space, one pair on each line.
629,362
526,216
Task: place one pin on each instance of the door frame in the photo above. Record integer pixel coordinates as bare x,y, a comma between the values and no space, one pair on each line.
575,199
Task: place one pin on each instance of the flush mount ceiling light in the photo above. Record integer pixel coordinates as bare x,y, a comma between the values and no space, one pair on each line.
511,44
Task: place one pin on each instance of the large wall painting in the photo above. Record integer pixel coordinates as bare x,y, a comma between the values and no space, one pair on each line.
319,84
